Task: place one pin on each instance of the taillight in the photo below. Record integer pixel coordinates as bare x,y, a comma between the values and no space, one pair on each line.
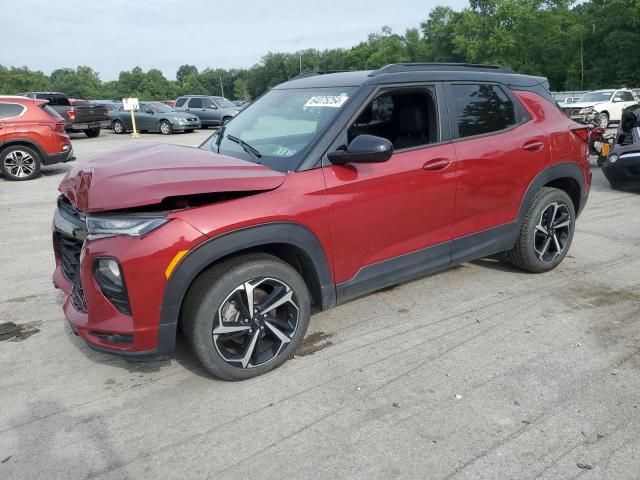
581,132
71,114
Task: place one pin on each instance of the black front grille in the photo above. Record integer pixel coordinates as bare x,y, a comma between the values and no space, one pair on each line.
69,251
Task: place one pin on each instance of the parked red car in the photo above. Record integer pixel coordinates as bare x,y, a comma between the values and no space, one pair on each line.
324,189
31,135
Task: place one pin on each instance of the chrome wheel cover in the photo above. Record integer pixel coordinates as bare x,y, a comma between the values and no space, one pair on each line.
19,163
255,322
553,232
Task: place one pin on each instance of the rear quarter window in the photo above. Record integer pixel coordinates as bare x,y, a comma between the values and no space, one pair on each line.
482,109
9,110
181,101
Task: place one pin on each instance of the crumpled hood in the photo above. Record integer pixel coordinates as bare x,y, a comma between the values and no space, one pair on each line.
146,174
582,104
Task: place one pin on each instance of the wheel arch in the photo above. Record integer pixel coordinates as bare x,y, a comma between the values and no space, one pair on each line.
164,120
291,242
568,177
25,142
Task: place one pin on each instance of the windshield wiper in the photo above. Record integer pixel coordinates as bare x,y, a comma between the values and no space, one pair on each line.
245,146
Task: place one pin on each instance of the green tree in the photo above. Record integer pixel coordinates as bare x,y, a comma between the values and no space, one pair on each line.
81,82
185,71
239,89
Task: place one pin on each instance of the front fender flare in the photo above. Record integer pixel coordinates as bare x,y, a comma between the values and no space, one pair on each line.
201,257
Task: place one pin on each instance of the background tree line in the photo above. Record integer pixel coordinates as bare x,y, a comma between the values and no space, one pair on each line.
576,46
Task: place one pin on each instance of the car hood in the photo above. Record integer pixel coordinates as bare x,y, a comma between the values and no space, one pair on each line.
143,175
582,104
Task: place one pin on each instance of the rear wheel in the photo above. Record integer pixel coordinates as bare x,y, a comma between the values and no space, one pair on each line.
246,316
20,163
92,132
546,232
165,128
118,127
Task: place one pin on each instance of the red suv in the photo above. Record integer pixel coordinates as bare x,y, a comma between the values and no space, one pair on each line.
31,135
326,188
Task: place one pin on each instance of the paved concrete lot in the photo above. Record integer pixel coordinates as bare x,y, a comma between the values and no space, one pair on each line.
481,371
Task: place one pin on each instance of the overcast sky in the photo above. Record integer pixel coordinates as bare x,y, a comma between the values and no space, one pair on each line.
115,35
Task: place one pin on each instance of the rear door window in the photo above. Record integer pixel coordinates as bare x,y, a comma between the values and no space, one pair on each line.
181,101
481,109
10,110
195,103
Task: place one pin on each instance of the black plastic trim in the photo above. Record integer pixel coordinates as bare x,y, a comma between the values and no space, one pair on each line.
395,270
163,351
485,243
555,172
260,235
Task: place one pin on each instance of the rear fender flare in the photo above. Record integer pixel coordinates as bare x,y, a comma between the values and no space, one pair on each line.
555,172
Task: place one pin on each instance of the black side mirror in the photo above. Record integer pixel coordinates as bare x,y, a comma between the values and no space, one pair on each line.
363,149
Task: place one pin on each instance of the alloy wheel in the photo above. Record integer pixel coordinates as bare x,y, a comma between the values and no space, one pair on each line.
19,164
164,128
255,322
552,232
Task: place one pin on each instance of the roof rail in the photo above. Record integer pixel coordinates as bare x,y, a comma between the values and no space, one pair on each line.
442,66
322,72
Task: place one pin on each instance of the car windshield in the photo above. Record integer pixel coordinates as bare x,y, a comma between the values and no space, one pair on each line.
161,107
224,103
278,128
596,96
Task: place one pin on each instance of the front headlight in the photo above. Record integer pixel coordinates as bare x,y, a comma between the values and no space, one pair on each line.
586,110
613,158
102,227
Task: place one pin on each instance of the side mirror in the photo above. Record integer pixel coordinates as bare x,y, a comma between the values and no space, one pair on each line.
363,149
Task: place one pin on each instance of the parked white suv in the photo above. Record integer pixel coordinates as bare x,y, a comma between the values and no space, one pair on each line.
604,106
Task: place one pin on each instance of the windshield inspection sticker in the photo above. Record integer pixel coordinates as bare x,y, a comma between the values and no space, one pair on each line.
284,152
333,101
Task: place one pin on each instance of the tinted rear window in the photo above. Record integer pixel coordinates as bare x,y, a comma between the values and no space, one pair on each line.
8,110
482,109
54,99
180,102
195,103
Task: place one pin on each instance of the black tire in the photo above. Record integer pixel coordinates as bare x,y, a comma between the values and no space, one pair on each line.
189,130
600,160
165,127
19,163
118,127
603,120
204,127
92,132
537,251
225,120
212,291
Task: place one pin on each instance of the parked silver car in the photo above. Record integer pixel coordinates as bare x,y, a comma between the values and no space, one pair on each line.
212,111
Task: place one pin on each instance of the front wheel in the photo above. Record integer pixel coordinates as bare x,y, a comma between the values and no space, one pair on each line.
165,128
603,120
92,132
246,316
20,163
546,232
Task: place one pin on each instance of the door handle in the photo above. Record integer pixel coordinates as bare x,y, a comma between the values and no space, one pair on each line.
533,146
437,164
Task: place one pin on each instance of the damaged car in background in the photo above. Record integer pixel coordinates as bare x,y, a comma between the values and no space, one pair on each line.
622,165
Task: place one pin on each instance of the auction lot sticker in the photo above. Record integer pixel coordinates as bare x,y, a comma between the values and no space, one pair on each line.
333,101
